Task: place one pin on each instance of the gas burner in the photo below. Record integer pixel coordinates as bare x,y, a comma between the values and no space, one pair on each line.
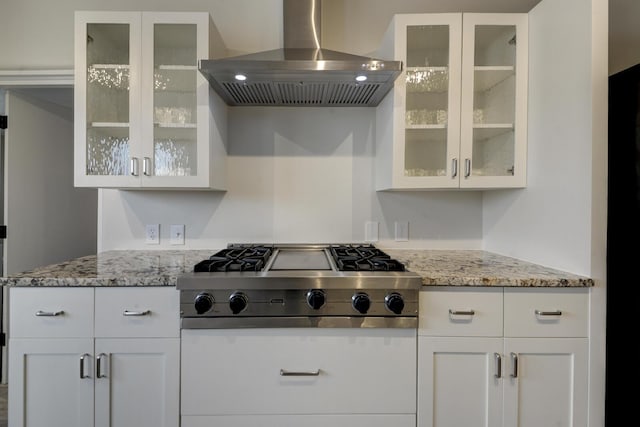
236,258
363,258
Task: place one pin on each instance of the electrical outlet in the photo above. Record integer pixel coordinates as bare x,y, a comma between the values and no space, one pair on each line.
371,231
176,234
152,234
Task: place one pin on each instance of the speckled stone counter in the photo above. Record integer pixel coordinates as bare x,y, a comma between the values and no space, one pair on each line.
162,268
481,268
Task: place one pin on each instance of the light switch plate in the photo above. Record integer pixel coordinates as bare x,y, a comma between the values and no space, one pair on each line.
371,231
176,234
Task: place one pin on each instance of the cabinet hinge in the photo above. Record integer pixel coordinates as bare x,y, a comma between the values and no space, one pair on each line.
3,122
3,231
3,339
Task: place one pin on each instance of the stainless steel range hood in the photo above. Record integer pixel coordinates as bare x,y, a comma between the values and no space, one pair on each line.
302,73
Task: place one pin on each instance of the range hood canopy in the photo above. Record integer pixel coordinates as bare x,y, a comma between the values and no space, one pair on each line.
302,73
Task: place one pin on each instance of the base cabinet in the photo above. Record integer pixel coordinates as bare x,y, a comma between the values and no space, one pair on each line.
528,368
97,370
301,420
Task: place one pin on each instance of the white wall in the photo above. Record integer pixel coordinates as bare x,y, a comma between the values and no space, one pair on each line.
549,222
41,32
296,175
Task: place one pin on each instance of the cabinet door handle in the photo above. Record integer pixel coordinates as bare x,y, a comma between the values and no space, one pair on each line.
99,366
498,360
461,312
146,169
134,166
136,313
548,313
467,168
454,168
514,365
41,313
82,362
285,373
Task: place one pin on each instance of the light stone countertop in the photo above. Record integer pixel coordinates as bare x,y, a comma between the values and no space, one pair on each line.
162,268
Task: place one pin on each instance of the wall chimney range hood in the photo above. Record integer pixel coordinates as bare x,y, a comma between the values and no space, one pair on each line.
302,73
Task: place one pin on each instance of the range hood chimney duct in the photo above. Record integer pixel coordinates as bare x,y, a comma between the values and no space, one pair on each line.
302,73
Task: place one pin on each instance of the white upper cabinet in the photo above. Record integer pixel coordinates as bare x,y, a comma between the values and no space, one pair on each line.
456,117
144,115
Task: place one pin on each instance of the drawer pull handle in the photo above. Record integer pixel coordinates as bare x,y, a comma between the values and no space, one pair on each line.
498,360
41,313
82,359
99,366
461,312
548,313
136,313
285,373
514,365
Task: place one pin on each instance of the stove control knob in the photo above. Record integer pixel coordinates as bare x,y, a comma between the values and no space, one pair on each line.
315,298
394,302
361,302
203,303
238,302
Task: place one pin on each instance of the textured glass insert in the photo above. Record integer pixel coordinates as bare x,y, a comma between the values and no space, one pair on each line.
175,157
428,80
107,154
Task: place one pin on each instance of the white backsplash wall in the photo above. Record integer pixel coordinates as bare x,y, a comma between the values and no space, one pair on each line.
295,175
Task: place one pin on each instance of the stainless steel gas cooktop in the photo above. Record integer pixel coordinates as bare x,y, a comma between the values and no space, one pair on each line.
299,285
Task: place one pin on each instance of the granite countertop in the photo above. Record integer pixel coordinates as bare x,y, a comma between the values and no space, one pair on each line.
162,268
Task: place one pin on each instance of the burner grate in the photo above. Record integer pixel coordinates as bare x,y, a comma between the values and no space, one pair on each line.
363,258
245,258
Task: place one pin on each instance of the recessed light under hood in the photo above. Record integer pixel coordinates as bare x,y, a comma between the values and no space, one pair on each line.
302,73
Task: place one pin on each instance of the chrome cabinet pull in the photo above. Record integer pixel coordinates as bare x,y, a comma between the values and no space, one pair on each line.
498,360
146,169
548,313
467,168
285,373
514,365
136,313
134,166
461,312
41,313
454,168
99,366
82,360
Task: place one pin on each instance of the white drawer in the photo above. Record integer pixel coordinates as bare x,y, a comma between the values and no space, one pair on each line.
51,312
561,312
454,311
360,420
238,371
137,312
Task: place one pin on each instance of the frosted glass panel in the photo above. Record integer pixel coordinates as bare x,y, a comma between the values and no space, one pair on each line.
427,98
176,155
108,68
107,152
175,99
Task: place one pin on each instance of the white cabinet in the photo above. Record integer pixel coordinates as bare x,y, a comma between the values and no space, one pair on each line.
528,368
71,367
456,117
144,115
299,376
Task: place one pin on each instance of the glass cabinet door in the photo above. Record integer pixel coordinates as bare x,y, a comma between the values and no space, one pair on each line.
492,112
432,103
174,100
107,99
